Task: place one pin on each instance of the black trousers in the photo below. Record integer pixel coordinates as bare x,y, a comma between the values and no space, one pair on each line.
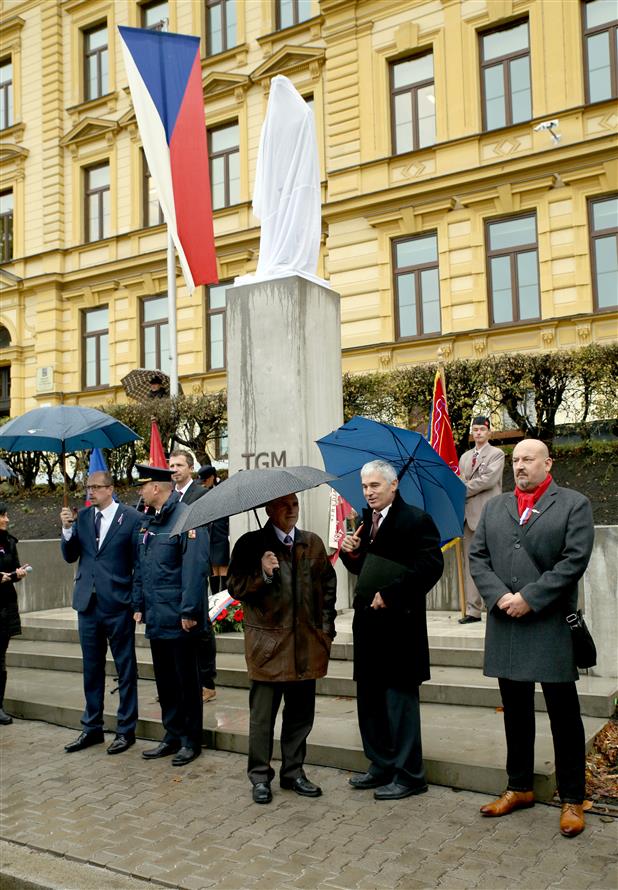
567,732
297,721
208,655
390,725
176,669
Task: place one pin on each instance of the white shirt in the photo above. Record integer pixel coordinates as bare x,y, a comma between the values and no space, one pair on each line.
107,517
383,512
281,535
182,491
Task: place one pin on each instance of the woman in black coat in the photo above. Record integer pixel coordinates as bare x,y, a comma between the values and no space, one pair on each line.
10,626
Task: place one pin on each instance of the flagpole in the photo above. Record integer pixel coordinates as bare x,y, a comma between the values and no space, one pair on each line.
171,313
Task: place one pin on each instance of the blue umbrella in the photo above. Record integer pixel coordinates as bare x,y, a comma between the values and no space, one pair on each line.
5,471
425,480
64,428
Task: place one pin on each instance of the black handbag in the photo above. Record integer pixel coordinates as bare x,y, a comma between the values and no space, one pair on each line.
583,645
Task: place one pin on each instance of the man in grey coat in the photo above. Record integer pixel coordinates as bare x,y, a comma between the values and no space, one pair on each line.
529,551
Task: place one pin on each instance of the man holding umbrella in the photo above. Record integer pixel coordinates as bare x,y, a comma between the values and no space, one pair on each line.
287,585
396,552
101,538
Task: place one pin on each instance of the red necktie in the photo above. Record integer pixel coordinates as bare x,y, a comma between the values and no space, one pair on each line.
474,457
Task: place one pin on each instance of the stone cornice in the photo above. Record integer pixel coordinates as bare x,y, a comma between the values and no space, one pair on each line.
88,129
288,59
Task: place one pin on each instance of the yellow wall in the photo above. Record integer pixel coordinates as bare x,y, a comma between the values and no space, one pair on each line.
341,57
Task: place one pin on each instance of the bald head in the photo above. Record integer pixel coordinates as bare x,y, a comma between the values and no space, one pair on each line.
531,464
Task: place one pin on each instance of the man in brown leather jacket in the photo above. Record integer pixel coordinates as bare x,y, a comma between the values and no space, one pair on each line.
287,586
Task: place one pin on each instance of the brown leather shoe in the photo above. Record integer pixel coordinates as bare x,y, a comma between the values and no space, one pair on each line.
507,802
208,694
572,819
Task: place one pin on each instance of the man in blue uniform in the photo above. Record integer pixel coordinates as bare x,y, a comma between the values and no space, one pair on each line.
101,538
168,594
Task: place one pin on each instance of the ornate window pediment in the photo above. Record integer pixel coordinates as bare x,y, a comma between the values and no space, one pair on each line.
289,59
88,129
217,83
11,152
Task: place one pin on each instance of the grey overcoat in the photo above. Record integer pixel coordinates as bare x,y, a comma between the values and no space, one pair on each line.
559,536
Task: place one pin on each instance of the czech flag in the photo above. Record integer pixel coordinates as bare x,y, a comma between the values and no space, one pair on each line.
165,79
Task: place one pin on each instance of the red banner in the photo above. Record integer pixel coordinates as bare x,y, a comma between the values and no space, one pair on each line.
157,455
440,431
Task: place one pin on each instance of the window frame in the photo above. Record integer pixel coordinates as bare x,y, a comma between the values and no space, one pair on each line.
5,390
99,26
8,88
147,223
96,336
512,253
95,191
210,4
613,55
413,90
157,324
143,7
295,18
209,314
593,234
225,154
417,271
7,231
504,61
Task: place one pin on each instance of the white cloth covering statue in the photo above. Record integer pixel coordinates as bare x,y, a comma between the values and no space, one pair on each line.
286,196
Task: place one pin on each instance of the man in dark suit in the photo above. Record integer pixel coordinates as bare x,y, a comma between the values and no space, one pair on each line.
529,551
391,650
182,464
101,538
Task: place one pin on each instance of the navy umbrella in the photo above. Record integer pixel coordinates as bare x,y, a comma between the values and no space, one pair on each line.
64,428
425,480
5,471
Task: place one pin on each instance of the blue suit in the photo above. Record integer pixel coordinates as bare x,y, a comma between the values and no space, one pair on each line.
102,599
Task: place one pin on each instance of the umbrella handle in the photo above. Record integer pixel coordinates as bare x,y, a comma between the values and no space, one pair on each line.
257,518
65,496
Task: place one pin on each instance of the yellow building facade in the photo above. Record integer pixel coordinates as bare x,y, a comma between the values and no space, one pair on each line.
457,223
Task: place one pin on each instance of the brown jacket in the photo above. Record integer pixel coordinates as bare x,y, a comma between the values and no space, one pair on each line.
483,483
289,623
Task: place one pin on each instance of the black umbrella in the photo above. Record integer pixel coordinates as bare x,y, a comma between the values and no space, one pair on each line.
247,490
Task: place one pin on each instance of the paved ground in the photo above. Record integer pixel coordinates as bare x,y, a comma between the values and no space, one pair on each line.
197,828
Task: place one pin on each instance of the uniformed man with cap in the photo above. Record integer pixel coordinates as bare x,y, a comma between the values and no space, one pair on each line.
481,470
168,588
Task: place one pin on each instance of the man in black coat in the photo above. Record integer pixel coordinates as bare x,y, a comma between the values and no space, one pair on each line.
101,538
391,650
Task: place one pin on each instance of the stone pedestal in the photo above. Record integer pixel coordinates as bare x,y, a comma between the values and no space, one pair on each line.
284,385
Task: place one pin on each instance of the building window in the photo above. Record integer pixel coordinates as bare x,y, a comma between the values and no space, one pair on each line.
291,12
6,226
96,63
155,16
6,94
505,76
220,25
604,251
224,155
5,391
96,210
155,334
513,269
601,49
152,213
413,104
215,312
417,286
96,347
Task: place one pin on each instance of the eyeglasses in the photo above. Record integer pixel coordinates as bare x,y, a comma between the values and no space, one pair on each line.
96,487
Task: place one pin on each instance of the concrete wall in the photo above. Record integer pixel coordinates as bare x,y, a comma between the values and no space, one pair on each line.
50,584
601,600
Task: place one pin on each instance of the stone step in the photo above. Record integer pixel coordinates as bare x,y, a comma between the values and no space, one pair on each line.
448,685
463,746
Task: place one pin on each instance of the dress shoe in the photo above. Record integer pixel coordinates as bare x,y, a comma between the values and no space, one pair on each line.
507,802
120,744
469,619
301,786
366,781
5,718
572,819
185,755
394,791
208,695
85,740
163,749
262,793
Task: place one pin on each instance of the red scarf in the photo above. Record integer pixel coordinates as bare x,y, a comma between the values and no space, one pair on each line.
527,499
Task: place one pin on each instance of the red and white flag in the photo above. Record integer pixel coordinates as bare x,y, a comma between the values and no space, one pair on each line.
440,433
